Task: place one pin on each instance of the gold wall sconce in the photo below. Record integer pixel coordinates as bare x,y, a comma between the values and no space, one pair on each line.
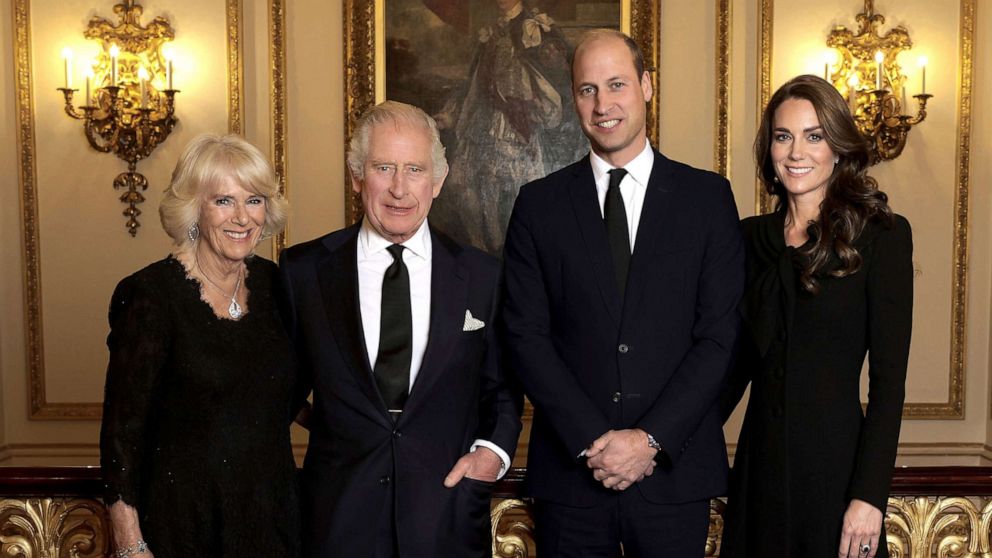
129,103
864,69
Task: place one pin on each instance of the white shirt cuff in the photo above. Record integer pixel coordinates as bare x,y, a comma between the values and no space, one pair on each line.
504,458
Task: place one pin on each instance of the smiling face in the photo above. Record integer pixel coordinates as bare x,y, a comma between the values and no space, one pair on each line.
231,219
610,98
802,159
398,186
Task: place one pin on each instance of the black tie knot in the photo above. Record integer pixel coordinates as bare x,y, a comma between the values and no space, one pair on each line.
396,251
616,177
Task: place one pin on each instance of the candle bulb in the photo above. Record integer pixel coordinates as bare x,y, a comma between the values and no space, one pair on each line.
879,57
89,76
826,71
852,93
923,67
67,66
143,78
114,53
167,53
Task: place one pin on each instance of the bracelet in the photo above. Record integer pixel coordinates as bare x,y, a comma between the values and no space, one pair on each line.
139,547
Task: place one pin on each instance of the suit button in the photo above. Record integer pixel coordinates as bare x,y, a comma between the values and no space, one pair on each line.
616,397
777,412
384,480
397,434
781,335
778,373
623,348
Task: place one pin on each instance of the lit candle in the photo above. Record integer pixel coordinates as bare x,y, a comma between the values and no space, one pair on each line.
67,66
89,76
923,66
852,93
829,57
114,53
879,57
168,66
143,78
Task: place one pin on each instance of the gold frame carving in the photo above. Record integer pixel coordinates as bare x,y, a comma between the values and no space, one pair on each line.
724,22
39,408
640,18
953,408
277,106
766,12
235,69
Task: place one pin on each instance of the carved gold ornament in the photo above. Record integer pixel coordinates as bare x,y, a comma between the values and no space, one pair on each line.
53,528
128,107
868,75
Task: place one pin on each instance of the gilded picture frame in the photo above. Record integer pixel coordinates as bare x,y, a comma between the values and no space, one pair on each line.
377,38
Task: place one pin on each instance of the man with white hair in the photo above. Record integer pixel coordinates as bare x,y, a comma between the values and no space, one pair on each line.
412,420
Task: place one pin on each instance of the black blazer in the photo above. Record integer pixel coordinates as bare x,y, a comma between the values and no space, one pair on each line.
358,459
655,361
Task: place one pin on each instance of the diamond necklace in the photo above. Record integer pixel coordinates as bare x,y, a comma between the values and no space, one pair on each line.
234,309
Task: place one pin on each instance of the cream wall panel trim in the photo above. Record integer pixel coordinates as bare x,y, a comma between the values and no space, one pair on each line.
39,406
953,407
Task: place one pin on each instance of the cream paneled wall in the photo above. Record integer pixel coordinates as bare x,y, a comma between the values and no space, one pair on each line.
85,249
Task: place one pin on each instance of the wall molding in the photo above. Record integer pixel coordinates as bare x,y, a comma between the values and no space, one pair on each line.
724,24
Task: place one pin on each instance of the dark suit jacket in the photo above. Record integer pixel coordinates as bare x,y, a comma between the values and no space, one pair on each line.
359,463
656,360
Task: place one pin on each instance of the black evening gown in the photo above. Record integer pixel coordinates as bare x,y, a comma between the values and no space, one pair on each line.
806,448
196,417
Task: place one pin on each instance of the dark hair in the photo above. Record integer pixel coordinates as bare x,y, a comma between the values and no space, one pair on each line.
852,198
635,51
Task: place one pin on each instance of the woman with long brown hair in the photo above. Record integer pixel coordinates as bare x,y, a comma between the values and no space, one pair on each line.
829,279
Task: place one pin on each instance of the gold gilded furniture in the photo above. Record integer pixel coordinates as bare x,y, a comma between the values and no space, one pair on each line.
942,512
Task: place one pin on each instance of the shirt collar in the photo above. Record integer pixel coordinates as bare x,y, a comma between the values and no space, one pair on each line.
371,242
639,167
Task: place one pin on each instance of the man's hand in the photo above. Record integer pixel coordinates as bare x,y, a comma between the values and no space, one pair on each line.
862,526
482,464
620,458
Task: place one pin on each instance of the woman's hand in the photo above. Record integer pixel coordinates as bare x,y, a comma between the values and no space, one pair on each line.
127,532
862,525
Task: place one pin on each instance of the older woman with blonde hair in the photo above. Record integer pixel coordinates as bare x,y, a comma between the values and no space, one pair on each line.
195,443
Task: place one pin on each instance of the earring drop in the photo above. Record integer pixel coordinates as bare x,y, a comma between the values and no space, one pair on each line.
193,233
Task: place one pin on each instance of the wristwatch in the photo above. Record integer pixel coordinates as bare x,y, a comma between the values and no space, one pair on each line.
652,443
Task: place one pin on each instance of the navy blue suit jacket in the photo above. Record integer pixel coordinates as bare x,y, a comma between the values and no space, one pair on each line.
359,463
656,360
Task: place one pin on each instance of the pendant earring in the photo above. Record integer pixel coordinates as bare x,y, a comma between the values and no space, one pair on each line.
193,233
775,179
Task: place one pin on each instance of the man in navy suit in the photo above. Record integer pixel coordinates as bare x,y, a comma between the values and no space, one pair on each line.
622,276
393,324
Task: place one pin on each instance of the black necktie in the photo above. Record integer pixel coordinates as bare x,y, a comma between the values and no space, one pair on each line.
615,217
392,366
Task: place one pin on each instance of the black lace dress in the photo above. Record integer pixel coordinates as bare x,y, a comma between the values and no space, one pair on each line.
196,417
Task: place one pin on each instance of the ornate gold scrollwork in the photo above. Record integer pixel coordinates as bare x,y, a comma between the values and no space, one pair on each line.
53,528
513,529
941,527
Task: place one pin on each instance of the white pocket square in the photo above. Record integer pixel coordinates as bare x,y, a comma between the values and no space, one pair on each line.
472,324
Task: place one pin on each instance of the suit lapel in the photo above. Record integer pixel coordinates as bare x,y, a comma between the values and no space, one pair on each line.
449,300
338,277
585,203
656,220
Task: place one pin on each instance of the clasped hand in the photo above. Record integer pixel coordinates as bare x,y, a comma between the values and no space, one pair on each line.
620,458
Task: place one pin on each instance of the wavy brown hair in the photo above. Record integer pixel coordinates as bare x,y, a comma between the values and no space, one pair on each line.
852,198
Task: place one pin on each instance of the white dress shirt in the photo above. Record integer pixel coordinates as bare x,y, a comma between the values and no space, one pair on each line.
373,260
632,188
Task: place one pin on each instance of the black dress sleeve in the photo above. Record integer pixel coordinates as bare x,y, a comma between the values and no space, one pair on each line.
139,342
890,324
